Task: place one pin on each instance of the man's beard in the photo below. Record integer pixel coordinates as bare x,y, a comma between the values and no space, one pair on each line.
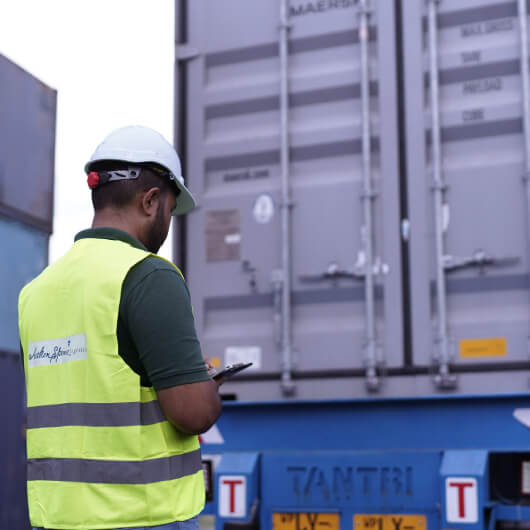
157,232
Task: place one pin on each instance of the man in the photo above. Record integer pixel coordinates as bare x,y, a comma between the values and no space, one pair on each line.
117,389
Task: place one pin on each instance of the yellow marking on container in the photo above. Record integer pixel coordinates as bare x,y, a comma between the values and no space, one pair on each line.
305,521
478,348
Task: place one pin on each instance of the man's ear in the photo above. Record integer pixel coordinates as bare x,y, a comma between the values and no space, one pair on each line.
150,200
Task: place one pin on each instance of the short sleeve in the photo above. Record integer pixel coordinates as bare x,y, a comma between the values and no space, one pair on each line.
158,314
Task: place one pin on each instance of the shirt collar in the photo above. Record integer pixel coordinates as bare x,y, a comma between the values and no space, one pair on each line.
114,234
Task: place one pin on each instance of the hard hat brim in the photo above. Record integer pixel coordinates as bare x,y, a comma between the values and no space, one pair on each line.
185,201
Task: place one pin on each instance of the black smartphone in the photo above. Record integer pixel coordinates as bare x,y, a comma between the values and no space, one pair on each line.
229,371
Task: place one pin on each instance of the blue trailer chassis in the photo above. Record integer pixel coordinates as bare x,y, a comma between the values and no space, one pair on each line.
453,461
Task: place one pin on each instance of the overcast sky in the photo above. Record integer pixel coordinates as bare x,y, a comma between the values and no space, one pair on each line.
112,64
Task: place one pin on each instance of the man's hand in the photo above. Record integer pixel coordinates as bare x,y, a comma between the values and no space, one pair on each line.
209,366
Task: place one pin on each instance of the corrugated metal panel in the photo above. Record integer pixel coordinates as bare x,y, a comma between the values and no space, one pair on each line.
234,169
484,208
27,255
466,279
27,127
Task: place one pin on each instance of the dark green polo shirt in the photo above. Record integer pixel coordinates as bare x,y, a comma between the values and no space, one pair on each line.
156,329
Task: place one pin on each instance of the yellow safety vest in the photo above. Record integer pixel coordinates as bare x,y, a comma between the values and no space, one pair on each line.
100,452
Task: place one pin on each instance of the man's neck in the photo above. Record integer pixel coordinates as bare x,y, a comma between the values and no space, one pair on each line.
111,219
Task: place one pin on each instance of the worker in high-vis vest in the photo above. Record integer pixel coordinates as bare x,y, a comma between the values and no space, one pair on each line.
117,387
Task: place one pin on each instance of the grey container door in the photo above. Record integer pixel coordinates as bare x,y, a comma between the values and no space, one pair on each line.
233,160
484,209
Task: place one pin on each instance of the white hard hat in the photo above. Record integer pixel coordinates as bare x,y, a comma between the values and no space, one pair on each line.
141,145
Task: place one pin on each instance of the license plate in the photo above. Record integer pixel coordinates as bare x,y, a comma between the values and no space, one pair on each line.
389,522
305,521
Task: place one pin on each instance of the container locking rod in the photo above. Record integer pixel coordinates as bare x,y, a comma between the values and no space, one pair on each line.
288,387
443,379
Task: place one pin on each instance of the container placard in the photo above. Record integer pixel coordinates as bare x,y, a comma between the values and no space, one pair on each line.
477,348
223,235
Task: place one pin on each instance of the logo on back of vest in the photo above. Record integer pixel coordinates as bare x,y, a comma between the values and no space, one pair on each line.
57,351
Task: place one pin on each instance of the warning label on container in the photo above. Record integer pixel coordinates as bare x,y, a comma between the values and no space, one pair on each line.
223,235
471,348
263,210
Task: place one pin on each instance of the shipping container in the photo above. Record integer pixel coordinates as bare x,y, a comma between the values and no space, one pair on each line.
363,236
363,222
294,254
467,105
27,132
27,150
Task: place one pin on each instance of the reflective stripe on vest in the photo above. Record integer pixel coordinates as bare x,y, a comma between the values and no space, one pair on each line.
94,414
100,451
114,472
